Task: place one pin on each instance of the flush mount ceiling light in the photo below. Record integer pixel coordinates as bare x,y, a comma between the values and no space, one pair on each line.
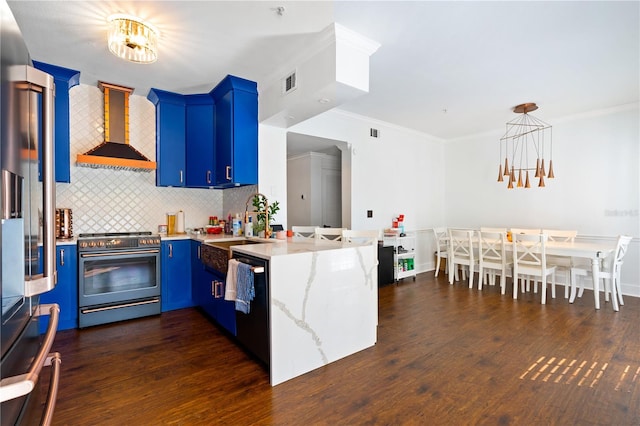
526,140
132,39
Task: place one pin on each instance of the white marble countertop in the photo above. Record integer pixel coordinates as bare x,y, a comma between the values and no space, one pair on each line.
292,245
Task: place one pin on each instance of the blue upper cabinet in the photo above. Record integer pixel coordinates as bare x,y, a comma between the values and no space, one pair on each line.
170,137
200,141
64,79
236,132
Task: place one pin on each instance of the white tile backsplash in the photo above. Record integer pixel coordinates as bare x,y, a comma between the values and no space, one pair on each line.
106,200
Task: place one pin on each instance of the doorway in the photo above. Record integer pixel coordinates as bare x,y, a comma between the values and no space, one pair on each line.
318,184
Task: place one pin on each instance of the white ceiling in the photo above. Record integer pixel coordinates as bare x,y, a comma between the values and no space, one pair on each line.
448,69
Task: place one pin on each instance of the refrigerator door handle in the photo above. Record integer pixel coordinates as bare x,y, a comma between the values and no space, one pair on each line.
47,281
54,360
20,385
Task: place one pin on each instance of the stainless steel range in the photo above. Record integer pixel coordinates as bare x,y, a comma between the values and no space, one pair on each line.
118,276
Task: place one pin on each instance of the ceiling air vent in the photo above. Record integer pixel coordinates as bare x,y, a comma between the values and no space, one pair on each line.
290,83
374,133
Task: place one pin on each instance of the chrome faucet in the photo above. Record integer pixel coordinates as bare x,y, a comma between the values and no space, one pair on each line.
267,229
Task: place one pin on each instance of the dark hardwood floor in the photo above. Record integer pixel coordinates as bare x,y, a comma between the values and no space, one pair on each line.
445,355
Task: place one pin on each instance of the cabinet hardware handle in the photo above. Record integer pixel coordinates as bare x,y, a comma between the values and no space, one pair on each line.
181,176
199,248
217,289
208,176
61,257
228,172
170,250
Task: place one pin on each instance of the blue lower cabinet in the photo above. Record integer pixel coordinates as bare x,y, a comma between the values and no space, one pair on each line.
65,293
208,293
176,275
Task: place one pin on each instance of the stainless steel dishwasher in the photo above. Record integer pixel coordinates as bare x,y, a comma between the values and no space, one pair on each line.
253,331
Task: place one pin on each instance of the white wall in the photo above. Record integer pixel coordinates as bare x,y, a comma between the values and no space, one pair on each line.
272,168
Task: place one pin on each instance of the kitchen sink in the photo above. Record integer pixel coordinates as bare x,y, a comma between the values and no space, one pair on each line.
216,255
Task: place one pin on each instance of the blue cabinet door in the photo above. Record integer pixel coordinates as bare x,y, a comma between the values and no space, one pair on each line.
200,141
236,132
170,137
199,288
64,79
65,293
208,292
176,275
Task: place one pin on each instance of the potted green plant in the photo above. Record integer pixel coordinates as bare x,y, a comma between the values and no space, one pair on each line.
260,204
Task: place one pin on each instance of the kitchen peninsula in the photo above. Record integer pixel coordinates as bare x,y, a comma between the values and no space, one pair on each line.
322,302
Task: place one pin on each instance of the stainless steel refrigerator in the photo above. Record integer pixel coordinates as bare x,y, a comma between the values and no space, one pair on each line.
28,222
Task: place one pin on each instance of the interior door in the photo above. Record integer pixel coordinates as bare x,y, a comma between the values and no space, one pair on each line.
331,198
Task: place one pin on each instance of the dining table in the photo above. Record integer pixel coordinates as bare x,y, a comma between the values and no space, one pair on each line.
595,252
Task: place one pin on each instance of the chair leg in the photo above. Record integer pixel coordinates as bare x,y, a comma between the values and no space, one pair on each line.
471,276
480,278
616,278
437,264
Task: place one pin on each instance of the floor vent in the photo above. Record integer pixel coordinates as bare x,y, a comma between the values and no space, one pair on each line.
374,133
290,83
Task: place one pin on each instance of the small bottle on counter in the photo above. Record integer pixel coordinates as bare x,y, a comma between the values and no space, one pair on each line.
237,226
248,228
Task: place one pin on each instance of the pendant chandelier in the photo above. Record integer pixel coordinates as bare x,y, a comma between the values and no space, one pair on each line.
132,39
524,148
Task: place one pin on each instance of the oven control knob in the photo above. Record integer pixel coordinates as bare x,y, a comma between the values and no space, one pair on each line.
143,241
101,243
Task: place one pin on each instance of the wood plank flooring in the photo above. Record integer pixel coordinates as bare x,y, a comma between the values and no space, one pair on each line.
445,355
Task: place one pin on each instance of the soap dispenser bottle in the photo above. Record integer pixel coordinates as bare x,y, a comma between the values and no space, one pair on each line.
248,228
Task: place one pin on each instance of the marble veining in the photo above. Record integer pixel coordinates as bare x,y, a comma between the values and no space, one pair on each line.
323,304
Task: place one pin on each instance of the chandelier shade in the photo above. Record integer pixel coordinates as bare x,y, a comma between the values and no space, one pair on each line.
525,147
132,39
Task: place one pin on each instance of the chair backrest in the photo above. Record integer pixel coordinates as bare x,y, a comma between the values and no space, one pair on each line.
485,229
568,236
333,234
621,250
441,235
304,231
529,250
461,246
364,237
530,231
492,247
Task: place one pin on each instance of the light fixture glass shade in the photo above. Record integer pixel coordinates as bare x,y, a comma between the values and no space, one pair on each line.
132,39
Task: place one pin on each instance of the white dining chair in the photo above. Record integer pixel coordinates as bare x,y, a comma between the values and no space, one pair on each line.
361,236
441,236
492,257
528,231
304,231
488,229
461,253
610,273
332,234
529,260
563,264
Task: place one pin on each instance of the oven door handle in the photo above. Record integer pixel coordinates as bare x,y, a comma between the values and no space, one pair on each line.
119,253
20,385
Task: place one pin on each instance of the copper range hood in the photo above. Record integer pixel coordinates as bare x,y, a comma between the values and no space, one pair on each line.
116,152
